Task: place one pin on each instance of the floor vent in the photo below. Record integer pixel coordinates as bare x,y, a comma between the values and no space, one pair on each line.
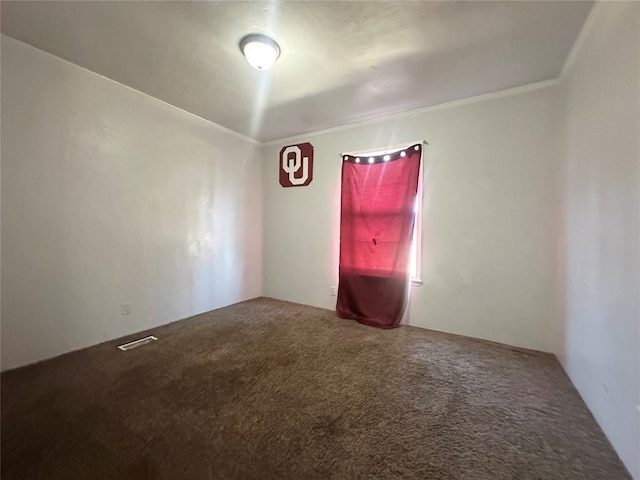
137,343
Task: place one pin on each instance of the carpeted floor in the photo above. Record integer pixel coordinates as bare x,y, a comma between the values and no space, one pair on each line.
273,390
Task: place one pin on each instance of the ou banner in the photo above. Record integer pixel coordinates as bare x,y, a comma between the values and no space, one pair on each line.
296,165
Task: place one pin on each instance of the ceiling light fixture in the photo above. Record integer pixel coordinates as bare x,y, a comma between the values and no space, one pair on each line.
260,51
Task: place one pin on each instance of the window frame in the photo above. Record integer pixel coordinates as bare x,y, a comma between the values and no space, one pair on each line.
415,273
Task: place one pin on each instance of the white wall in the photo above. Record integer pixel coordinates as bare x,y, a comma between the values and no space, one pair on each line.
110,196
599,327
490,215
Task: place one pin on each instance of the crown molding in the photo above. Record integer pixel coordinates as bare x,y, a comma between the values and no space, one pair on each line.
454,103
569,62
216,126
577,45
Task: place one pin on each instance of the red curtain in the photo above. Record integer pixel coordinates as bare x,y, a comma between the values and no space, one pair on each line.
376,228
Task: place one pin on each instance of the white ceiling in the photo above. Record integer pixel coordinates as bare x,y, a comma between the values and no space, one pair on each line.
341,62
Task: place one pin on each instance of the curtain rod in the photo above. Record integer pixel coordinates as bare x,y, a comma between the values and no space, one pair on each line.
387,149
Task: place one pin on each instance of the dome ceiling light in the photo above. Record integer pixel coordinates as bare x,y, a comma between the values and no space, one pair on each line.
260,51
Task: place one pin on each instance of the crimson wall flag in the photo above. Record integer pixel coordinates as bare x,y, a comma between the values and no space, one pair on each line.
296,165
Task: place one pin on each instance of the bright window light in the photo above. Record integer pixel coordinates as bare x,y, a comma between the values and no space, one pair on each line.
415,260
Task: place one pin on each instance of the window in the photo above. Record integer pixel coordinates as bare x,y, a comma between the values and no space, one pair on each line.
415,255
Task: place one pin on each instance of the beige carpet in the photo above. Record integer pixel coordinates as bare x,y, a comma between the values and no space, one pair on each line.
273,390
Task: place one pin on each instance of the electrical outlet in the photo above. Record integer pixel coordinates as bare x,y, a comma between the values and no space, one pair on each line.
333,290
125,309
